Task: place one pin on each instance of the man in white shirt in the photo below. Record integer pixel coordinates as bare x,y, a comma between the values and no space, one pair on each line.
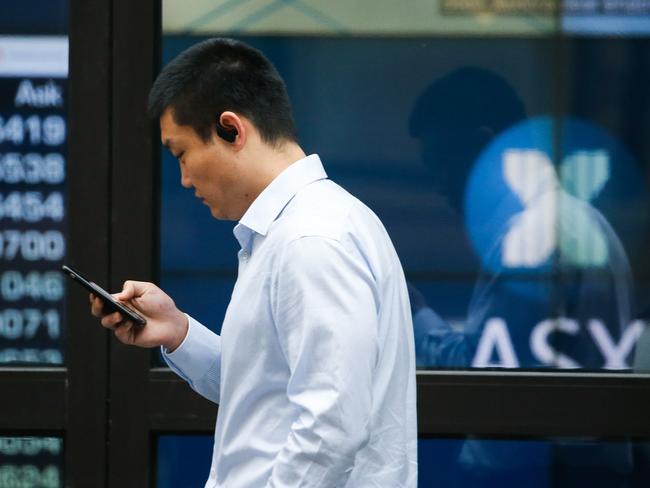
314,370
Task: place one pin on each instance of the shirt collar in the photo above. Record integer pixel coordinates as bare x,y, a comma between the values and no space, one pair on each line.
268,205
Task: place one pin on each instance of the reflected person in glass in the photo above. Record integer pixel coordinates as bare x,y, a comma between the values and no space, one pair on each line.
314,370
561,309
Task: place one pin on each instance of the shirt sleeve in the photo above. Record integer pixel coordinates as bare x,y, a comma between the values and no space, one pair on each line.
198,360
326,310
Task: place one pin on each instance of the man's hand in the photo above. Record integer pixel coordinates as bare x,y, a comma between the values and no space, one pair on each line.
166,325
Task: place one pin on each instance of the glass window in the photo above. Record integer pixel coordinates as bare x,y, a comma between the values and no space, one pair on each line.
184,461
33,134
535,463
31,462
506,155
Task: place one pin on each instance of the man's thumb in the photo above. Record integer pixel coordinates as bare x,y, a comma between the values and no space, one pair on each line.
129,291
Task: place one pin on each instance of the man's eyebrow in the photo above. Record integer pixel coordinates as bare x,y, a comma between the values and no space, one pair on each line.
169,144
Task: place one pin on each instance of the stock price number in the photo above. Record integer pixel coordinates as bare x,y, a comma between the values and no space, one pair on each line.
32,245
29,476
34,129
21,324
34,285
32,168
31,206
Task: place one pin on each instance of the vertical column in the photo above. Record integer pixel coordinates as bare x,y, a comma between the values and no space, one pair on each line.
88,230
134,242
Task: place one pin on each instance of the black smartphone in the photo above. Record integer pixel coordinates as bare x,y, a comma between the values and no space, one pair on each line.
110,304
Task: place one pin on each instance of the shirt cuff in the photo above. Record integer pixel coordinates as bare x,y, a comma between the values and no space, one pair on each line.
196,353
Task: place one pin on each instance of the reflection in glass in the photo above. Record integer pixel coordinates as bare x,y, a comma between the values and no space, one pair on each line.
183,461
513,181
600,17
554,288
31,462
553,463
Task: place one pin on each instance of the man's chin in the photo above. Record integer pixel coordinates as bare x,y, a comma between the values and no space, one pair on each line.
219,214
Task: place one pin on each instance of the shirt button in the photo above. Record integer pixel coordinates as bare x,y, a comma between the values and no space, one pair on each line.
244,255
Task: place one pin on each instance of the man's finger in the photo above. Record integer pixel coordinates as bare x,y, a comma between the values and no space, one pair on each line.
123,331
132,289
97,307
112,320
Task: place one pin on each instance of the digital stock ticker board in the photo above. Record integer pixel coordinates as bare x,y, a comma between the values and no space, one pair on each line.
33,133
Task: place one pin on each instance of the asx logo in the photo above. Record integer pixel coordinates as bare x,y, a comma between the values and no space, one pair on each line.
553,215
497,349
523,212
530,220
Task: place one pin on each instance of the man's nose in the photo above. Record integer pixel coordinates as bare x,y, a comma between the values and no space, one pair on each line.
185,180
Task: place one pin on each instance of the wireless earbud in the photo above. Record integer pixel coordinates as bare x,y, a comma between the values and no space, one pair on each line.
228,135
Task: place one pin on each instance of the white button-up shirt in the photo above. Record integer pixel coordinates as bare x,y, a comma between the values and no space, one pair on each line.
314,370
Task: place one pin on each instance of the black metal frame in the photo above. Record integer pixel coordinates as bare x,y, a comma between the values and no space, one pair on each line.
469,402
70,401
89,230
108,402
134,228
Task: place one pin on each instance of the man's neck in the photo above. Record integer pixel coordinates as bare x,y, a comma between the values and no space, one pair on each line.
274,160
269,162
281,158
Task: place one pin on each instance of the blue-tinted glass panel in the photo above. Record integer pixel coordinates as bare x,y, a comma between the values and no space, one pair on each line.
544,463
522,226
31,462
184,461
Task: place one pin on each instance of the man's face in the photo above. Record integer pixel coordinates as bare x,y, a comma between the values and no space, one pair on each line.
210,168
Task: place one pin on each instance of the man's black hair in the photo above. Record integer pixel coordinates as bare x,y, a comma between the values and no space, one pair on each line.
224,74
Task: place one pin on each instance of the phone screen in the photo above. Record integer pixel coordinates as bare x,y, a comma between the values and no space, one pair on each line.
110,304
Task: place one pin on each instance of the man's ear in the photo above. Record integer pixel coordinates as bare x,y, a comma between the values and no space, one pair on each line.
227,134
231,128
